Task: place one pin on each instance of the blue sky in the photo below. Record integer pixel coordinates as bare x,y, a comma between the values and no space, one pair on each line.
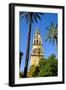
48,48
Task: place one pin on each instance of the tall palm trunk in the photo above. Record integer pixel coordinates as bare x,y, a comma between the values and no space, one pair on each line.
27,50
56,44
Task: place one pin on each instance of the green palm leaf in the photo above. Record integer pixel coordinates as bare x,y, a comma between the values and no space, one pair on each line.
52,33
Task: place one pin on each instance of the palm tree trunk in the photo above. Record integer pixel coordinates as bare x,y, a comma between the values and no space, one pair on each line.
27,50
56,44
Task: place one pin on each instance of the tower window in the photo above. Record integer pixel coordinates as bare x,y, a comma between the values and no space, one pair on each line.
37,35
37,41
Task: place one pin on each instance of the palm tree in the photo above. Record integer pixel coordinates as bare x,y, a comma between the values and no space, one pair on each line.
52,33
30,17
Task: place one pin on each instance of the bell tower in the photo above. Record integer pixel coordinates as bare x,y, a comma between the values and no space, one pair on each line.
36,49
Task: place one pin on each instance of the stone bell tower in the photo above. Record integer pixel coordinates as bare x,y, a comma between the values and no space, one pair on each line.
36,49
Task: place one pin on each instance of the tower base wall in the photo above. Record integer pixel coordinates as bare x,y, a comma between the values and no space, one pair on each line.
34,60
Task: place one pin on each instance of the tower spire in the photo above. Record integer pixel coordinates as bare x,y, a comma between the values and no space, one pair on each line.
37,30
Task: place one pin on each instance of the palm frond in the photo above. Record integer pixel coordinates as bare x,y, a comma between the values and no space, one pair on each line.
22,14
52,24
41,13
48,38
52,33
27,17
56,26
32,20
37,16
47,28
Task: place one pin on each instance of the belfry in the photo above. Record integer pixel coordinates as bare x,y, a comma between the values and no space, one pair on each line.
37,52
